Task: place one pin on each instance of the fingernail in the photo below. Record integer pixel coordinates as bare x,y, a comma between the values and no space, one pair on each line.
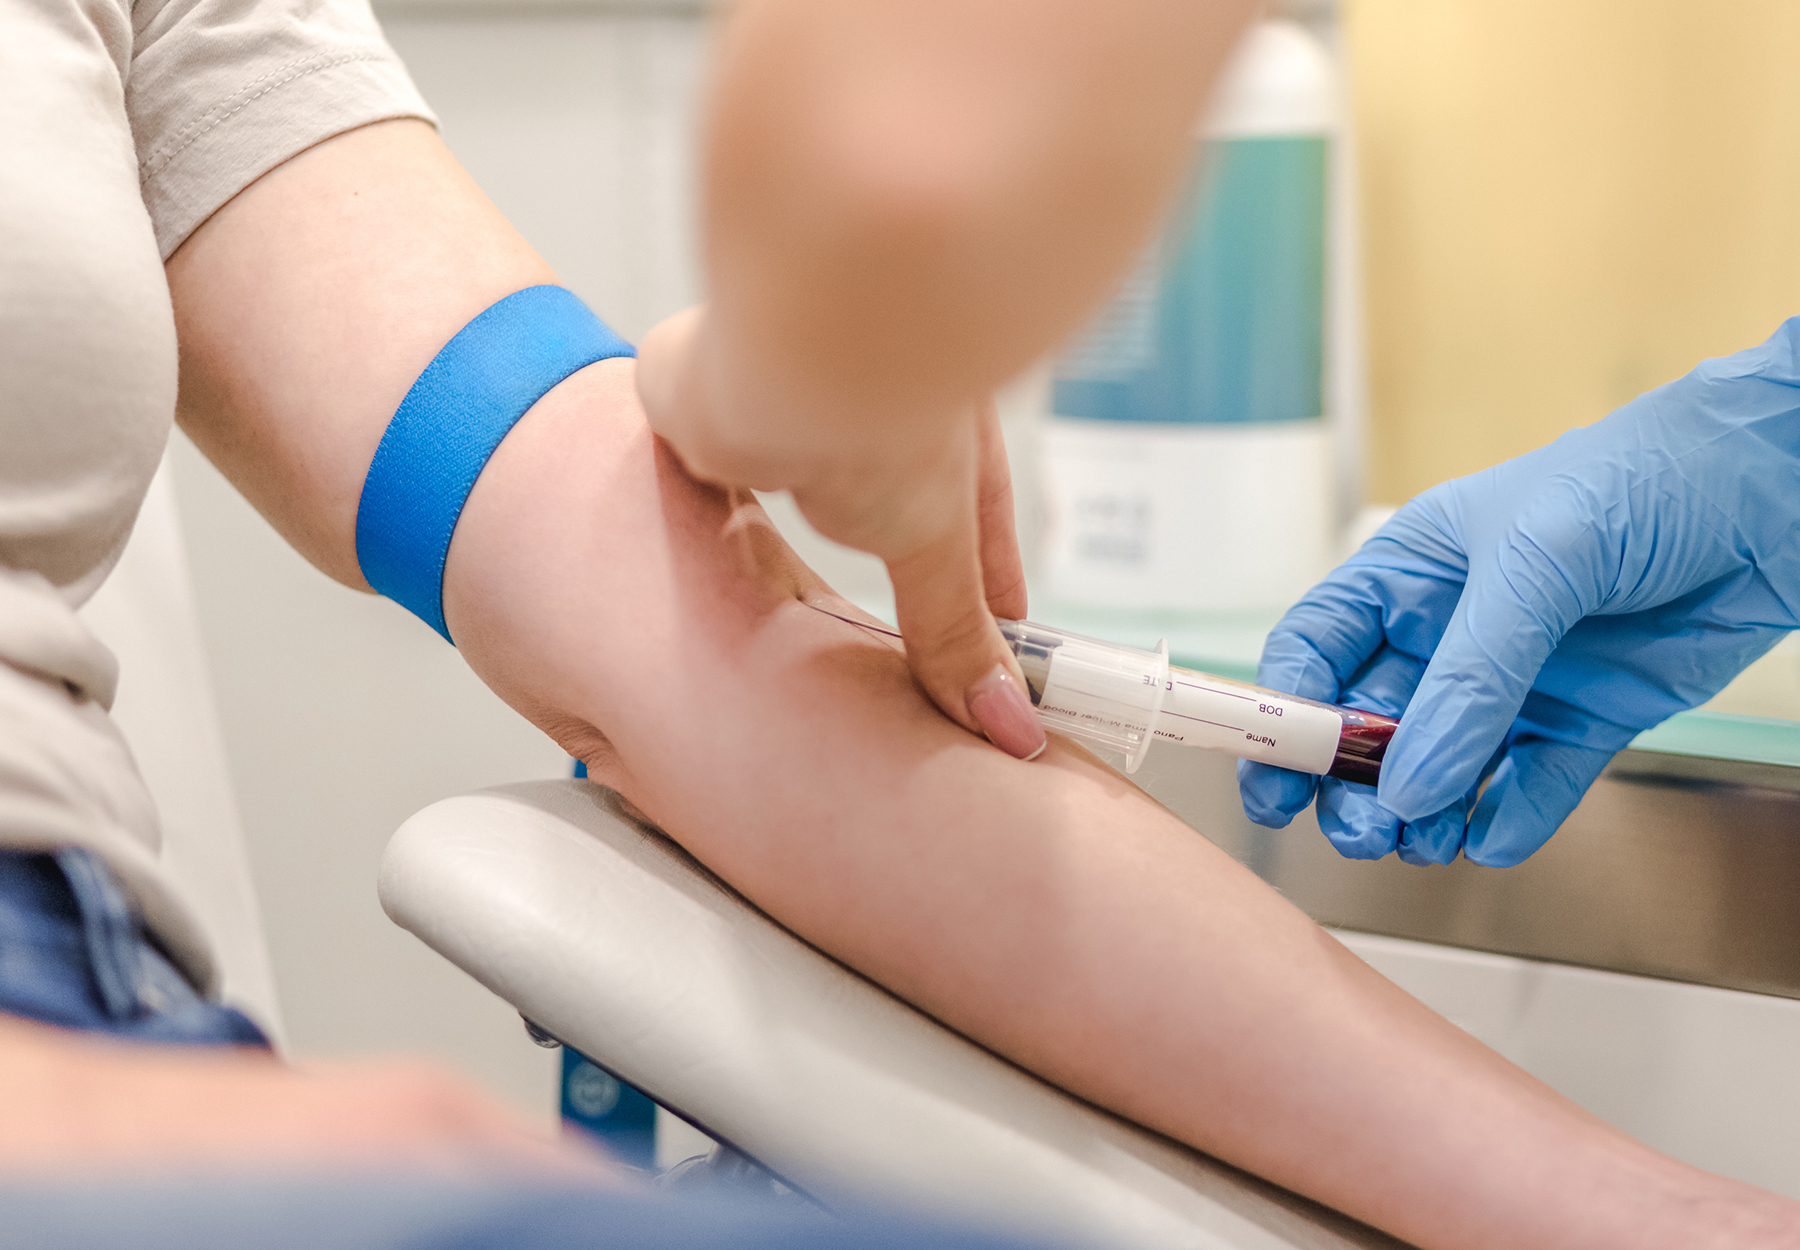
1005,714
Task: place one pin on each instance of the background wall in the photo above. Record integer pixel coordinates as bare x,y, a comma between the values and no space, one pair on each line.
1563,205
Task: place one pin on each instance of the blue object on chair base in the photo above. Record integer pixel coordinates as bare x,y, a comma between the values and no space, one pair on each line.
623,1118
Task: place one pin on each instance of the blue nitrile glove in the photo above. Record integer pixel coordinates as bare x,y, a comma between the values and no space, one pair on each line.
1531,619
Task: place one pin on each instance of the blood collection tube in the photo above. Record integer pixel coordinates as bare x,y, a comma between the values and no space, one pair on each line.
1121,698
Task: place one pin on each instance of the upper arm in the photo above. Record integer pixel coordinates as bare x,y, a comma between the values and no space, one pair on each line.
306,307
220,91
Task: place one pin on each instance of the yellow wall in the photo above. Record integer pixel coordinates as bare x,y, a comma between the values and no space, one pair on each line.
1565,202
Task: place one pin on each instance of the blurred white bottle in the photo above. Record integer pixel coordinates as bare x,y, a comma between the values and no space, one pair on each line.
1187,465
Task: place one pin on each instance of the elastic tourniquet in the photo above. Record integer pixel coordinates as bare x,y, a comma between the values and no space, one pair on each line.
471,394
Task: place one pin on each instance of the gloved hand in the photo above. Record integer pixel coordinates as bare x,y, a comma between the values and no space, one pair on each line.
1531,619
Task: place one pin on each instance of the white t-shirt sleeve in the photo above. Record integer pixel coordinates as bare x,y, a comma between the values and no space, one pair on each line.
222,91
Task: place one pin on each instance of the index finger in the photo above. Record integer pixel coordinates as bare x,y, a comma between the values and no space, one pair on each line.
1520,601
1398,591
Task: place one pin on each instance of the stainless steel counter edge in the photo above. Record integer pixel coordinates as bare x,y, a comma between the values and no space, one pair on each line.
1680,867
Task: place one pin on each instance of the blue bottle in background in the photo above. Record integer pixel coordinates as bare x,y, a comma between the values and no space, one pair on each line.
1187,459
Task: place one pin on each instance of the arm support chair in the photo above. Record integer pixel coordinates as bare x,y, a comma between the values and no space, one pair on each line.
611,938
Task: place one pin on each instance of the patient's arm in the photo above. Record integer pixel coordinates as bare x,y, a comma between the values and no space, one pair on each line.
1051,911
658,629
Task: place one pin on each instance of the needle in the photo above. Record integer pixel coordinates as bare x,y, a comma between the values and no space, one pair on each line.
851,620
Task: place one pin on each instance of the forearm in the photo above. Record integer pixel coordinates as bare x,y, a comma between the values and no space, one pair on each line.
906,203
1050,911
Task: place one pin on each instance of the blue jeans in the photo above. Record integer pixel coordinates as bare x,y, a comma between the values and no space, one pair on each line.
73,953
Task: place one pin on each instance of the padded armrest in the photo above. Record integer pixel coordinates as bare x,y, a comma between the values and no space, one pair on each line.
609,936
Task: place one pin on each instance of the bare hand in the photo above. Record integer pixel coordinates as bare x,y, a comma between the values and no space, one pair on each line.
933,501
76,1103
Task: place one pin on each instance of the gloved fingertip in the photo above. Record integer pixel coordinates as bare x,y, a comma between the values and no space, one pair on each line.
1364,845
1272,797
1436,839
1505,830
1503,855
1354,821
1535,788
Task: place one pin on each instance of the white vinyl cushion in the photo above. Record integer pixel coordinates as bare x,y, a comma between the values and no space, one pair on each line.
610,937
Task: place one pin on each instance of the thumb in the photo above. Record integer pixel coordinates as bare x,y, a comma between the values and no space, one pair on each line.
1514,611
953,646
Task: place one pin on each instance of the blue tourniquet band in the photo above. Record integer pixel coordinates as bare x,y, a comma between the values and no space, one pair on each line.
450,422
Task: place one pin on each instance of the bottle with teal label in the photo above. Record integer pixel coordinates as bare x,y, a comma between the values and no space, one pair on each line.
1187,461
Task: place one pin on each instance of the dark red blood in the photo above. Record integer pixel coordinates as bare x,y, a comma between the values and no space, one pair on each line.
1361,744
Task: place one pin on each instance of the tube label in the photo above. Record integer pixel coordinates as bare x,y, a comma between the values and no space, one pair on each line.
1249,722
1105,696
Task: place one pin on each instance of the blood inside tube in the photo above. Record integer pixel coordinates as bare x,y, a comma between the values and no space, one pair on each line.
1362,743
1271,727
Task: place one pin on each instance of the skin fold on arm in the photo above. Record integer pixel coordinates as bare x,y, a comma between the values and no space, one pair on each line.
659,628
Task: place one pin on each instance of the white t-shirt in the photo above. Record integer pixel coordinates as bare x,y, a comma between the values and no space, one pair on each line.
127,126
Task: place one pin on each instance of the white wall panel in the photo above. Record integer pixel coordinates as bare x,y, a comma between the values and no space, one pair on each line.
579,125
